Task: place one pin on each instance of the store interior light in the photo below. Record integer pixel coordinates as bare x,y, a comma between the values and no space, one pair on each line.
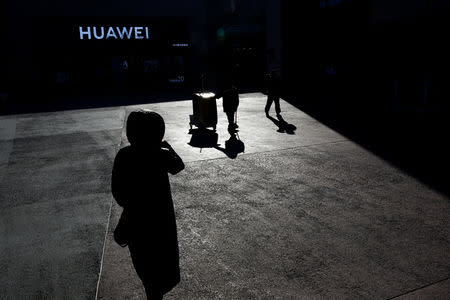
221,34
207,95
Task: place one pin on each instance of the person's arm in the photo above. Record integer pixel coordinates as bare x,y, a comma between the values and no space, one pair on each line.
174,162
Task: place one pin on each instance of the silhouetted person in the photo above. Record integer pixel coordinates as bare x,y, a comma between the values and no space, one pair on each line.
273,92
140,184
230,104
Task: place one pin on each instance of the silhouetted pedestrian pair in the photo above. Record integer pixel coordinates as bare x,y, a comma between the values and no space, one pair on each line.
140,184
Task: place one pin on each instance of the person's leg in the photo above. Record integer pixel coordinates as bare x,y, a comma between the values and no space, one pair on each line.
139,257
277,105
230,117
268,104
153,294
231,125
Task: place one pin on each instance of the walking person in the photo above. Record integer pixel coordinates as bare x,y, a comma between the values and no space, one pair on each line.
230,105
140,184
273,93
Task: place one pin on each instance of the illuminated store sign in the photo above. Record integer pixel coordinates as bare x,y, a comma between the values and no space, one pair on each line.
116,33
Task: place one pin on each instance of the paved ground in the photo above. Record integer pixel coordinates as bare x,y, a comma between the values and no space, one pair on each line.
303,215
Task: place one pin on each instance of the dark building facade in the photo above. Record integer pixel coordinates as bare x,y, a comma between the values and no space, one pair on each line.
384,54
376,71
104,53
138,46
81,47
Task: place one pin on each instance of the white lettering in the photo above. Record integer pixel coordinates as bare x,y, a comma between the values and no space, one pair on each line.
124,32
180,45
138,33
111,33
82,33
102,31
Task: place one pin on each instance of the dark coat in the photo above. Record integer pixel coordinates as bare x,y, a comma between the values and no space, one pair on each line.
140,184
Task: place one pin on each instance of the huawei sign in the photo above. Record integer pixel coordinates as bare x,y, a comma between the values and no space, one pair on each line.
111,32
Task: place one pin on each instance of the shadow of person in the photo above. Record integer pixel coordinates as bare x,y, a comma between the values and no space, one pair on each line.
140,184
283,126
203,138
233,146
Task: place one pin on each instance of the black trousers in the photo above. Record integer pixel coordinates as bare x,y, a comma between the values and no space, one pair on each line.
230,117
270,99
